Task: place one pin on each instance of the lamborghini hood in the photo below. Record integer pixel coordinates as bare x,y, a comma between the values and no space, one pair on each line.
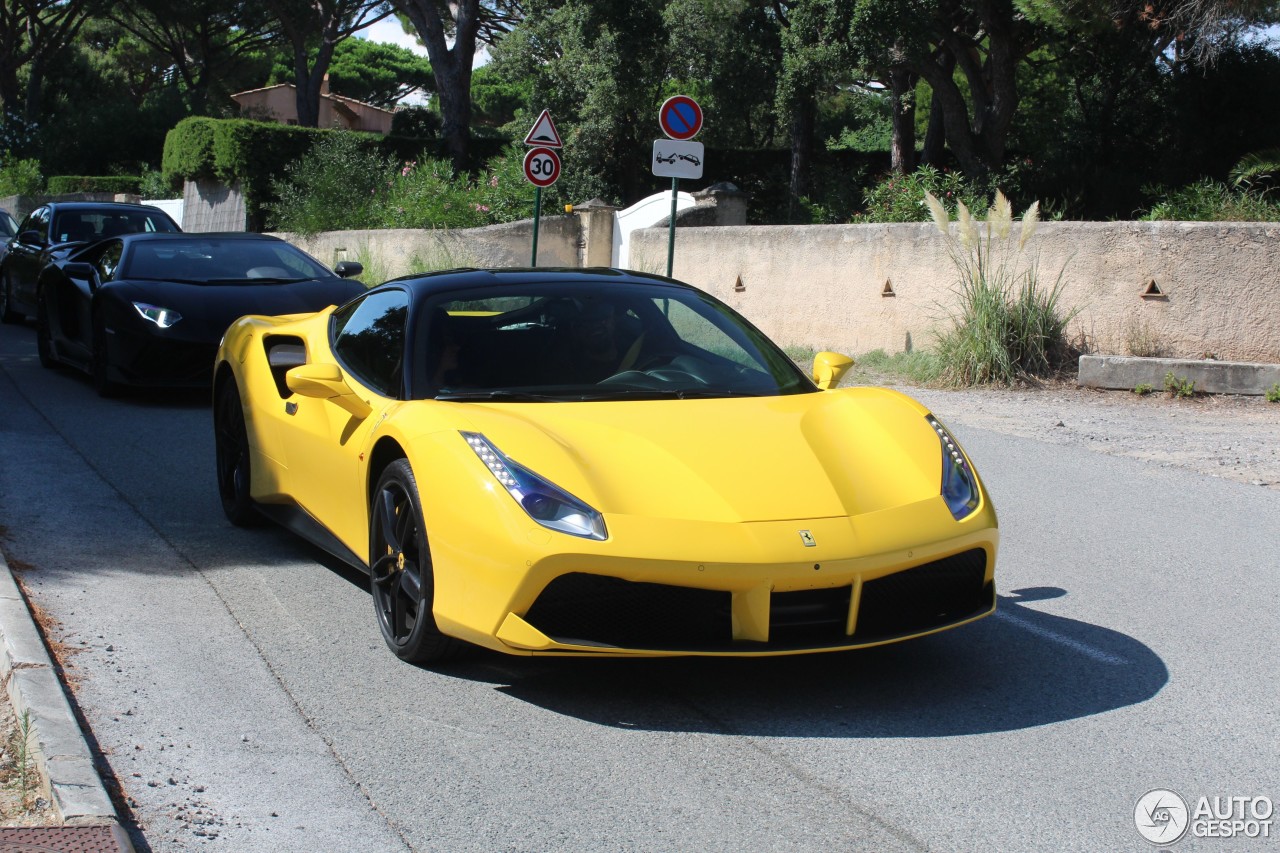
818,455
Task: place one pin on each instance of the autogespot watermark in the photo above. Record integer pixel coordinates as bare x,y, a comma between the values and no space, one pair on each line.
1163,817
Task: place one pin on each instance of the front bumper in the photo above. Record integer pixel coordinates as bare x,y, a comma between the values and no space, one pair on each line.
867,581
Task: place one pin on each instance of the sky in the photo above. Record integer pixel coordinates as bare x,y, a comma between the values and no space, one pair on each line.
389,30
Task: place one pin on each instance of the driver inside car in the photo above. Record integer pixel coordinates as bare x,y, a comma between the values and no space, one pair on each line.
605,339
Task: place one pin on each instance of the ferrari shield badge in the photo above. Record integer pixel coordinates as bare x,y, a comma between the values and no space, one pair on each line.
807,538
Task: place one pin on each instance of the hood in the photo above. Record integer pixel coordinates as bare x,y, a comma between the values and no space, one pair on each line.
819,455
208,309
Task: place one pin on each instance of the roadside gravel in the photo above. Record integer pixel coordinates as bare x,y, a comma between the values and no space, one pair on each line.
1236,438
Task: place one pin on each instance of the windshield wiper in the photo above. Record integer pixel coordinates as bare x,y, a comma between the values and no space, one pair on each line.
497,396
256,280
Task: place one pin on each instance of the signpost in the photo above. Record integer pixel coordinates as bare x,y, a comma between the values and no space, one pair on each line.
541,166
676,157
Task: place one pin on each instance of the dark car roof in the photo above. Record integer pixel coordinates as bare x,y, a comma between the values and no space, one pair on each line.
424,284
99,205
142,236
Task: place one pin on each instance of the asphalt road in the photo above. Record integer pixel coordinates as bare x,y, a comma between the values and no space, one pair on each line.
239,691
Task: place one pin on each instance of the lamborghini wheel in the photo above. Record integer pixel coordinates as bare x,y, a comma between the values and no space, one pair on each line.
401,576
231,451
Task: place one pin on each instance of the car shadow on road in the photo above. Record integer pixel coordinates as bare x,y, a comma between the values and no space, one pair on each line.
1020,668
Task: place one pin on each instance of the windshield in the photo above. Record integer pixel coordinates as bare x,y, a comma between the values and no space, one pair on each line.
538,342
213,260
8,228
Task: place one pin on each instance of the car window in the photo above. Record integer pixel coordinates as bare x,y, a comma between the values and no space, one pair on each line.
537,341
109,260
8,228
369,338
37,220
217,259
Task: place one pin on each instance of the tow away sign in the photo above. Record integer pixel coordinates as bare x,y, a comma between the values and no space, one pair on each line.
676,159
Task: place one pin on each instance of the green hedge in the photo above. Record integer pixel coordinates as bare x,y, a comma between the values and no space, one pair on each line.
253,153
59,184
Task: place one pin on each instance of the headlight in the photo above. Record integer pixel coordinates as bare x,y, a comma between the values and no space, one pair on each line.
544,501
162,317
959,486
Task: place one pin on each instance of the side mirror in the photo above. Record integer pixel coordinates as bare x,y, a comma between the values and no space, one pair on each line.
348,269
34,238
829,368
82,271
325,382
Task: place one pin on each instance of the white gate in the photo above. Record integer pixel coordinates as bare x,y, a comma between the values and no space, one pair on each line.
642,214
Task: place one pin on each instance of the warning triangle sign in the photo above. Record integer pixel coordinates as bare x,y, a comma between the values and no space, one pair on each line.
544,132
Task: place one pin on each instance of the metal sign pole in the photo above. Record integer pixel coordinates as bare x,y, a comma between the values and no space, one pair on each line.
671,229
537,212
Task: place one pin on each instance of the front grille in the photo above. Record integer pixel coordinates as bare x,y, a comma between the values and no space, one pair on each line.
633,615
581,608
929,596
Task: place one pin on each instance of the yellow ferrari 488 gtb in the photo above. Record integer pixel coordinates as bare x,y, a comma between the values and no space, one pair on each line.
593,462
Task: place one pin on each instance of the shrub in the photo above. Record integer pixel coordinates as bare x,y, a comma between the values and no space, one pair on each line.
1210,201
1010,325
334,186
901,198
1273,393
341,184
20,177
59,184
153,185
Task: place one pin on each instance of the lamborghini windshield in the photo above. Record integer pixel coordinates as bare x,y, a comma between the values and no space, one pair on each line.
536,342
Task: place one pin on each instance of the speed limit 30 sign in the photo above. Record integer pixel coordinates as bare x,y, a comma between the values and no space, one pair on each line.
542,166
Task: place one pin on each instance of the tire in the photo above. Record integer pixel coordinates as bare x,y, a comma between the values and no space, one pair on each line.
44,340
401,577
7,314
231,450
102,383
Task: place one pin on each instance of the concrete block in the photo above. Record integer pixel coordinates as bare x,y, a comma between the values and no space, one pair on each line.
1210,377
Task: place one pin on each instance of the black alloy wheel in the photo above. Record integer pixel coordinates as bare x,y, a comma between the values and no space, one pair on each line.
44,339
7,314
231,452
400,576
102,383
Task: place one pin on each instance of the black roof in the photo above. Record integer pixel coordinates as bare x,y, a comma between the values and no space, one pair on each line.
99,205
434,282
146,236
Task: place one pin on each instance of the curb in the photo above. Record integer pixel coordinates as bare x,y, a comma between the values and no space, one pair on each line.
75,788
1114,372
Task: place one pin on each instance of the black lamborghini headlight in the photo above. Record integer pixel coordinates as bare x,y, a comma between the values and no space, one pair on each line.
162,317
959,486
544,501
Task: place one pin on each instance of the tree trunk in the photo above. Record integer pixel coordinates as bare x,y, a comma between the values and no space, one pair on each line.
902,153
802,129
451,65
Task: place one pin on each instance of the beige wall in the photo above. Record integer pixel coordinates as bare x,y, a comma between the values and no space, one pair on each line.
393,252
821,285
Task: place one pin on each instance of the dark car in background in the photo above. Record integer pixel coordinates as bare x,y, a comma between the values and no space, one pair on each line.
150,309
8,226
52,231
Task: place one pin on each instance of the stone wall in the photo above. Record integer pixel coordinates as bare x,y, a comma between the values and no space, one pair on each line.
1179,289
387,253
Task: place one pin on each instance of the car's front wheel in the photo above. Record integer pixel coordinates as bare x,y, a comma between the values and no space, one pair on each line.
231,452
401,575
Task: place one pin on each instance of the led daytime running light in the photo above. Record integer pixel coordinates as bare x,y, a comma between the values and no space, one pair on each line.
162,317
542,500
959,486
